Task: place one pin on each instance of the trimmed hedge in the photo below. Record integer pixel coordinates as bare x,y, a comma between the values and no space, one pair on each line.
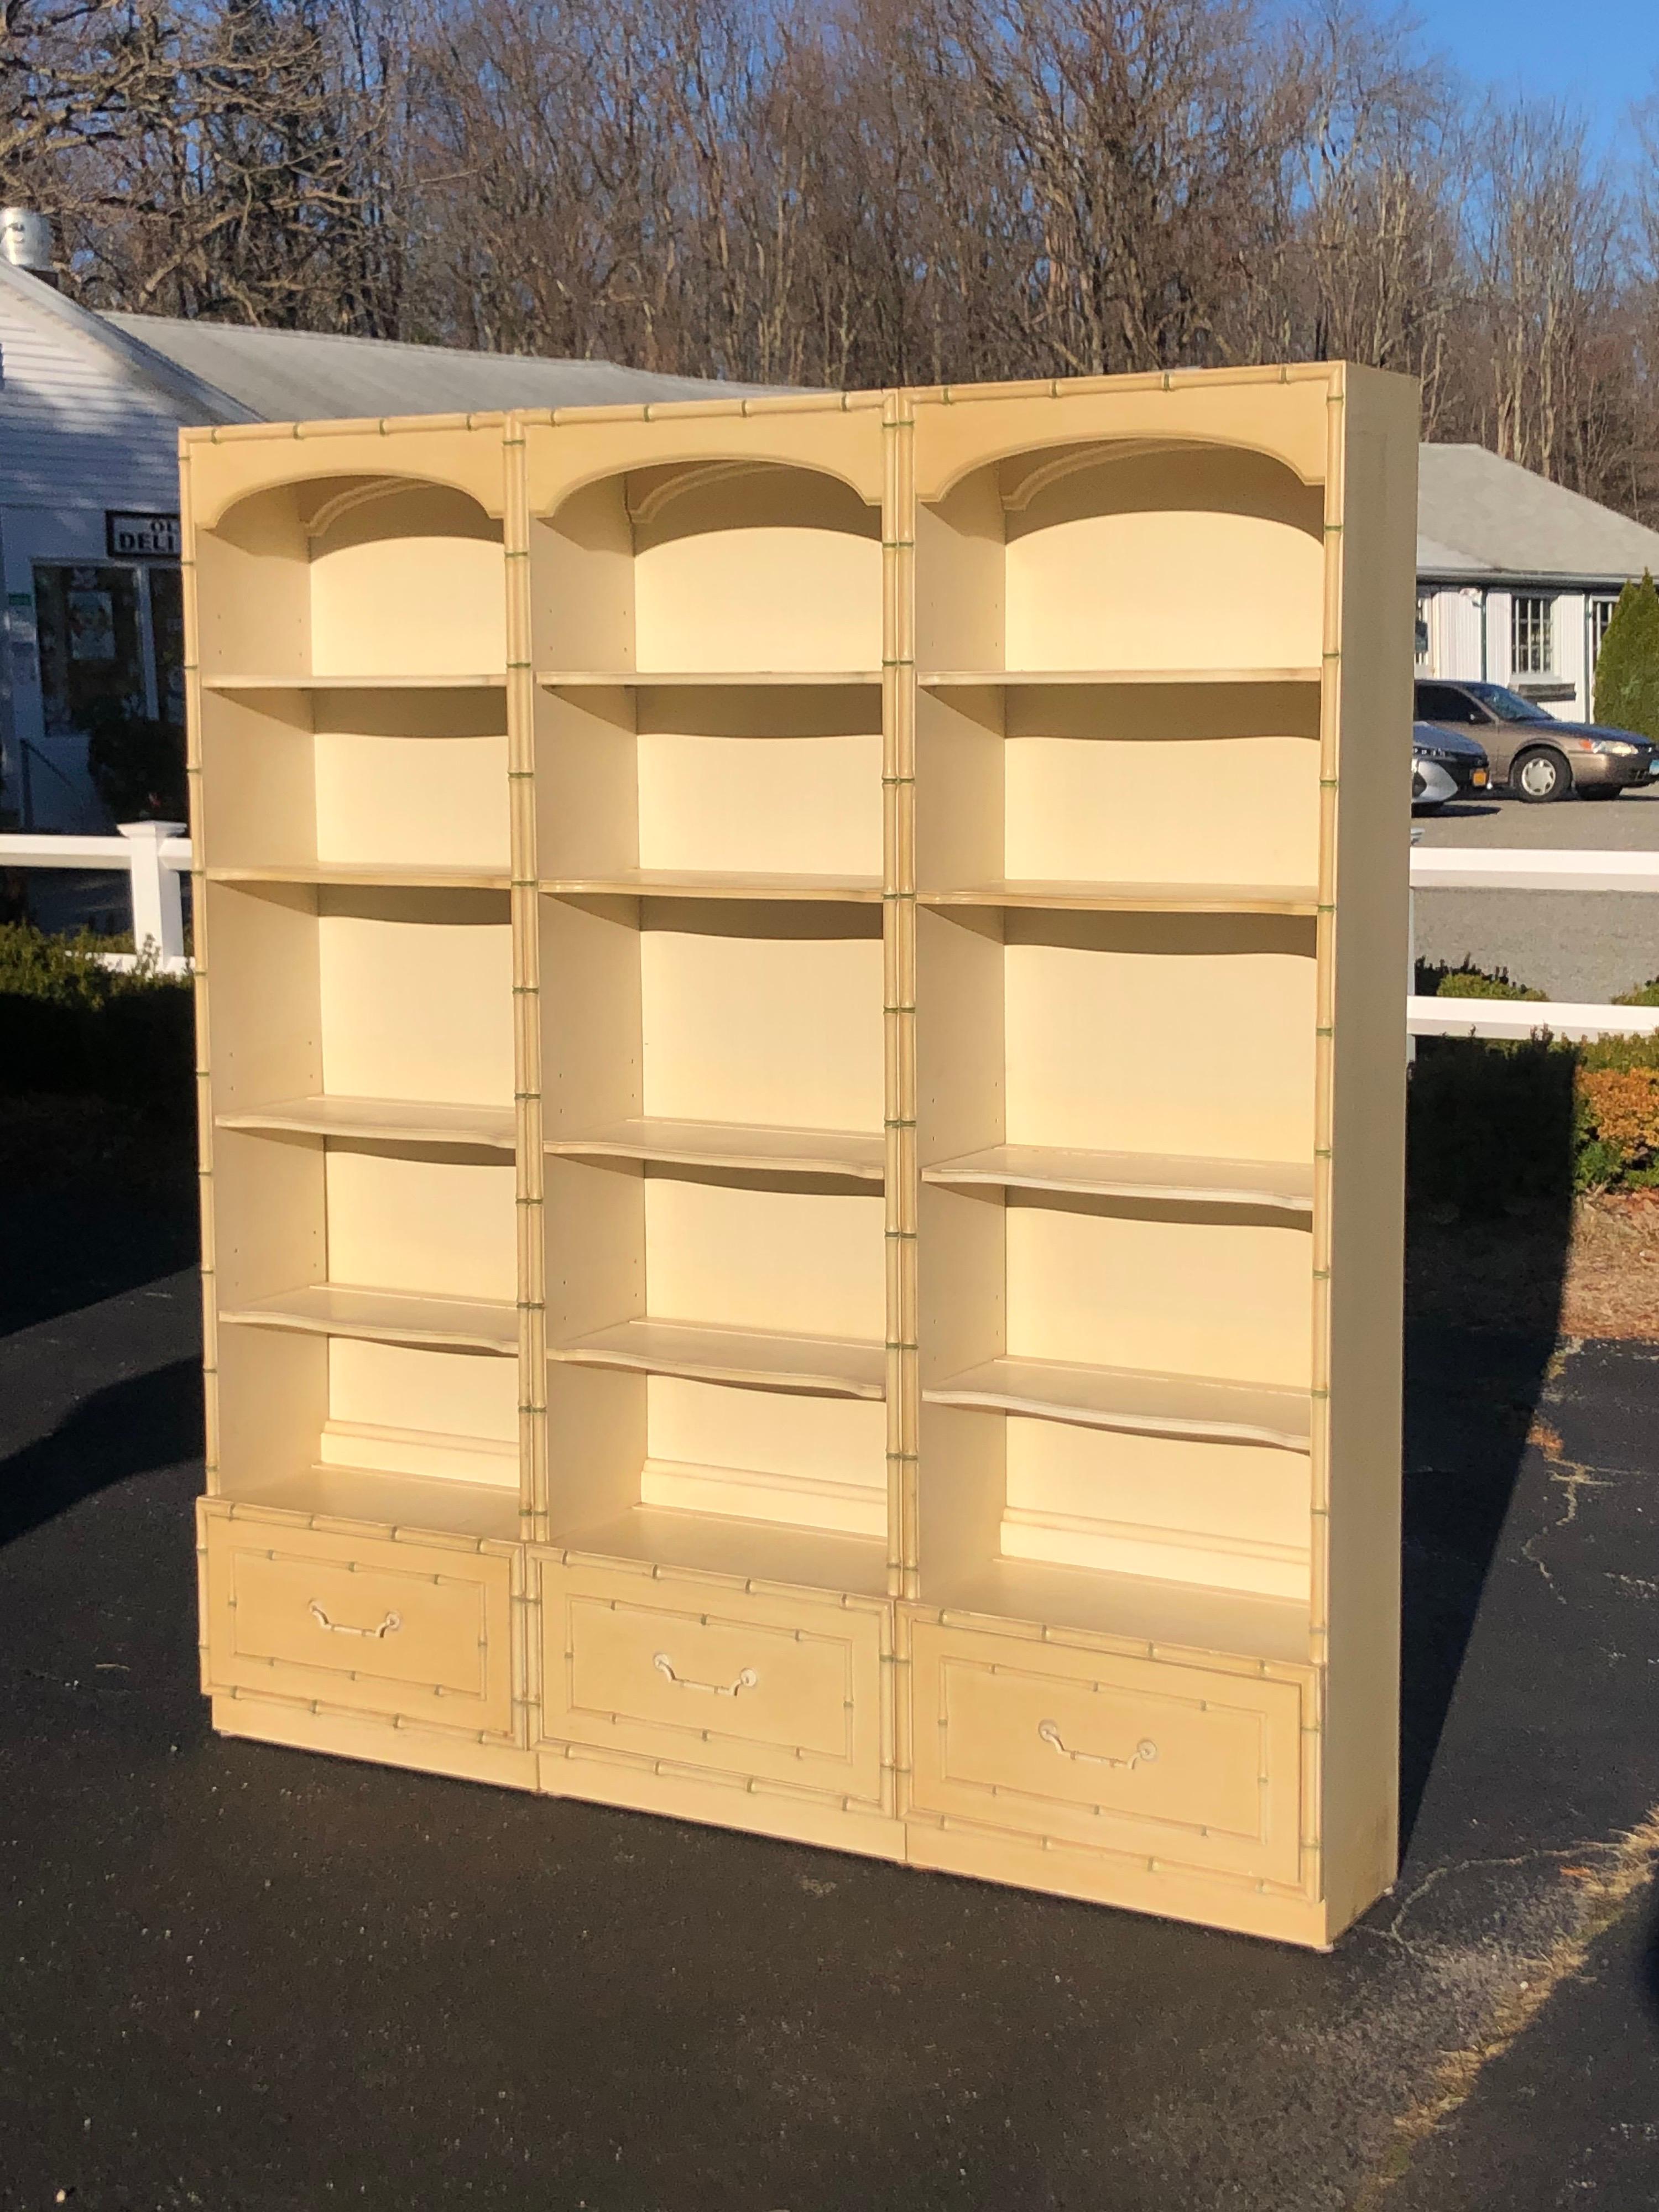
71,1027
1497,1126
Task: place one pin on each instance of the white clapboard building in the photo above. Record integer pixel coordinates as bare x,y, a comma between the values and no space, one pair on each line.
1516,576
90,408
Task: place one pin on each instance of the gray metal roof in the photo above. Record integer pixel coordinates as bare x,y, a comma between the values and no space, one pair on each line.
156,368
1481,516
306,376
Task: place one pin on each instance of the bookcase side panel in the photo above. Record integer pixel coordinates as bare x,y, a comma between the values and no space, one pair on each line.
1367,1140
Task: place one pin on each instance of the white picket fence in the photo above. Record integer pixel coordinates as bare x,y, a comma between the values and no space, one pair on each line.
1508,868
152,855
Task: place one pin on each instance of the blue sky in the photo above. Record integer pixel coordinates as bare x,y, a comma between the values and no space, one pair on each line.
1600,57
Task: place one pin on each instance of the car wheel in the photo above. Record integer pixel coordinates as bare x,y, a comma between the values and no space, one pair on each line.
1542,776
1603,791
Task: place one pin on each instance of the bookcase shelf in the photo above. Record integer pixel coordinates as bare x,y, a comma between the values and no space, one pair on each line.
802,1123
997,679
395,1121
1108,1398
1134,898
232,685
1283,1185
731,1144
634,679
714,1353
663,883
387,1316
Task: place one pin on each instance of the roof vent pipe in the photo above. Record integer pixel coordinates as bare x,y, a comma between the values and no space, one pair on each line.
26,242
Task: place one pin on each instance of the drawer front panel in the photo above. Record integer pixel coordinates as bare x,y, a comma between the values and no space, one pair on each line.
772,1687
1178,1764
376,1625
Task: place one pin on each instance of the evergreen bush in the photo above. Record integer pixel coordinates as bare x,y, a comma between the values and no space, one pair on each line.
1627,673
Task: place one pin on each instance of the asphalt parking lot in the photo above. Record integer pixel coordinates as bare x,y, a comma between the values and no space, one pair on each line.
242,1978
1569,945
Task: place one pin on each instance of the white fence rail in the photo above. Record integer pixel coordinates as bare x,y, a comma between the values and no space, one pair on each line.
154,854
1511,868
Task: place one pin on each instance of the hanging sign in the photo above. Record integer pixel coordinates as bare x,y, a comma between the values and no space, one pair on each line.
141,537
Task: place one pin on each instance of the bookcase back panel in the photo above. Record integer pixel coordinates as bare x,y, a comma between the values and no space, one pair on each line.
407,583
413,794
769,1015
1216,1292
273,1403
806,1261
1231,1515
766,569
253,588
394,1408
586,782
259,763
1208,811
1185,1034
775,1456
1206,559
770,805
270,1217
592,1065
267,1023
417,995
439,1221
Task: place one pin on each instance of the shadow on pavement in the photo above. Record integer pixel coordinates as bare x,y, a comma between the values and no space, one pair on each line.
1489,1229
131,1427
60,1252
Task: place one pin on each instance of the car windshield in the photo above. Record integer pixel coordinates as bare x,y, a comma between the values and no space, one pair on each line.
1508,706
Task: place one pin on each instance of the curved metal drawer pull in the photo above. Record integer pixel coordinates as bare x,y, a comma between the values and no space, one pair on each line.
665,1665
1143,1754
389,1626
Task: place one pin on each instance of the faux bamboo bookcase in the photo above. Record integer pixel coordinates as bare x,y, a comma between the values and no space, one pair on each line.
801,1006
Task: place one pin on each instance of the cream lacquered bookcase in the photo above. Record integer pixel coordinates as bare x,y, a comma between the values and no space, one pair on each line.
801,1115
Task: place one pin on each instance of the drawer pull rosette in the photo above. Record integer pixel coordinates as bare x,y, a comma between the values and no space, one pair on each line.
1143,1754
664,1666
389,1626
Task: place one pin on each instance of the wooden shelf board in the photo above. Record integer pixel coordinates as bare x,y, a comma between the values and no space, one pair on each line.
713,884
400,1121
1128,1398
759,1551
730,1144
374,875
1134,898
702,1352
314,682
387,1317
1283,1184
1183,1616
630,679
996,679
397,1501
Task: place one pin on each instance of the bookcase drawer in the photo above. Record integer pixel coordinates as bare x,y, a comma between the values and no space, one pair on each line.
420,1631
1181,1764
774,1686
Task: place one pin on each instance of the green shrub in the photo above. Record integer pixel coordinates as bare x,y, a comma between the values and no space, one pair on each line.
72,1027
1497,1126
1435,980
1627,673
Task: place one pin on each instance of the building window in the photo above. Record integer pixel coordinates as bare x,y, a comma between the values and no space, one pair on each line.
1598,613
1422,630
1532,640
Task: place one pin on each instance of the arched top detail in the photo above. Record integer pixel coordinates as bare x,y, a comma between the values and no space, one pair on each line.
646,500
687,472
1053,459
366,483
